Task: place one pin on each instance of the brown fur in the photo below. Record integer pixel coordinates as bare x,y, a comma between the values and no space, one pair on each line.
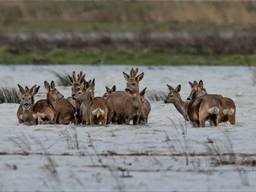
201,104
85,99
175,98
108,102
227,105
98,111
229,108
26,113
44,107
64,111
145,107
76,82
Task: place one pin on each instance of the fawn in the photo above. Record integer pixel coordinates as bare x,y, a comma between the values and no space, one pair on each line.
64,110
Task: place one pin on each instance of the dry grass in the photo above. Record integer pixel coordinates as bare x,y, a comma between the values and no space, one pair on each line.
9,95
172,13
62,79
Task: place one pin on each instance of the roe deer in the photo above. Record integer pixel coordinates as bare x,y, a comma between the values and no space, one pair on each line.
145,107
64,111
109,105
175,98
76,83
26,113
227,111
98,111
202,106
132,101
85,99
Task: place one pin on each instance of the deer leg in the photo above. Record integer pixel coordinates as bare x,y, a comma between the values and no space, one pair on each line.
136,120
232,119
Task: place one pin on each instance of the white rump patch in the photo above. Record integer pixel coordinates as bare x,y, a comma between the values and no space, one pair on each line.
229,111
214,110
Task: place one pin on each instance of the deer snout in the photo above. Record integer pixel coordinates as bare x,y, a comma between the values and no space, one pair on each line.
188,98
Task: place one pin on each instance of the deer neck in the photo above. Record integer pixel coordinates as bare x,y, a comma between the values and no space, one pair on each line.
182,107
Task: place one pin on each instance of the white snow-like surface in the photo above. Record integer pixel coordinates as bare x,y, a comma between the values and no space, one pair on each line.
74,158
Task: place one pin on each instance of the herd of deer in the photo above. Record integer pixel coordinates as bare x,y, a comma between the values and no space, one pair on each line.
83,107
119,107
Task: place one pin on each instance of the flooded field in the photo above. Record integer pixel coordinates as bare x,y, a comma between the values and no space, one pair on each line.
167,154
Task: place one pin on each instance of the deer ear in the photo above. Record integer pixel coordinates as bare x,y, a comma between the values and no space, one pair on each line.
46,85
126,76
31,90
191,84
52,84
35,90
114,88
178,88
132,72
21,89
140,77
201,83
93,82
170,87
142,93
107,89
70,79
82,78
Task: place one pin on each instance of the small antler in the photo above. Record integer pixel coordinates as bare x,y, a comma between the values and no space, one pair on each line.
134,72
80,77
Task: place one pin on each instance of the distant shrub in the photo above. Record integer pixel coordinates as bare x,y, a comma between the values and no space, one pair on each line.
9,95
156,95
62,79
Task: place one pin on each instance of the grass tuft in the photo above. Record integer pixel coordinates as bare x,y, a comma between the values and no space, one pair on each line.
9,95
156,95
62,79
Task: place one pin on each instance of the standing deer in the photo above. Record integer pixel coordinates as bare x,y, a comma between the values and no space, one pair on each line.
126,104
64,111
175,98
77,86
98,111
227,111
26,112
203,106
85,98
109,105
146,107
93,110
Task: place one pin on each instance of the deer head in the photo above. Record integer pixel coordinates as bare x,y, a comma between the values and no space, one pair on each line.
197,90
87,91
173,95
133,80
109,91
52,93
76,82
27,96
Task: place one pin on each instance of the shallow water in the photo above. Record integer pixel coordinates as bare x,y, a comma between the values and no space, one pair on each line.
81,164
